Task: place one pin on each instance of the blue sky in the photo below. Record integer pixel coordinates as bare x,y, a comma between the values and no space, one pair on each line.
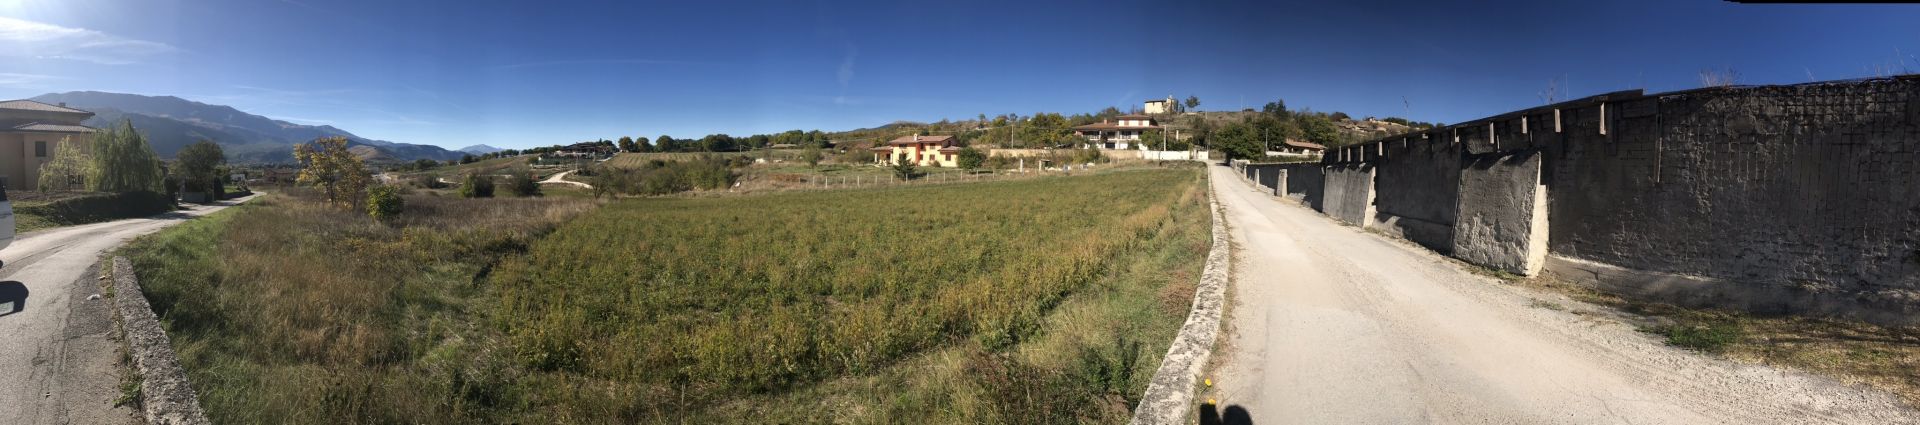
520,74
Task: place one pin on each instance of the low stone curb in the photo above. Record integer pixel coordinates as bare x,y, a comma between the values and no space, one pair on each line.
165,395
1169,396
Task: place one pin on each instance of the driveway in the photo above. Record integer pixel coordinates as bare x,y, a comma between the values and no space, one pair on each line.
1333,325
560,178
56,357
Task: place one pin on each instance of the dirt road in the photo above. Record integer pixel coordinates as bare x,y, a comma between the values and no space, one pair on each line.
57,361
561,178
1331,325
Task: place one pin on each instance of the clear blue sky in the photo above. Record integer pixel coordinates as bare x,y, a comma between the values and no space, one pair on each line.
519,74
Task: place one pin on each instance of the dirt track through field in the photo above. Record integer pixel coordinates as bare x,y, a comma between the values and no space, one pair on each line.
1332,325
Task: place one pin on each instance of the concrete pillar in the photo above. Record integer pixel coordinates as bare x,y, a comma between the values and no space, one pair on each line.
1502,214
1280,184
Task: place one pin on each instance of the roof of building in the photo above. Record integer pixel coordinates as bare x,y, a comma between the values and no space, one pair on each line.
1159,100
908,140
1111,126
54,128
1133,117
31,105
1305,145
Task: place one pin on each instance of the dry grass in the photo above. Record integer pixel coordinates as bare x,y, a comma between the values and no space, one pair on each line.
1887,358
285,311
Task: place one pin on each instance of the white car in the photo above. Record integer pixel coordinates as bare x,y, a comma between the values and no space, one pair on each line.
6,218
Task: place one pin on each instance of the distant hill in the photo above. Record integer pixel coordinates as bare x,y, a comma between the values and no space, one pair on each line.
171,123
480,149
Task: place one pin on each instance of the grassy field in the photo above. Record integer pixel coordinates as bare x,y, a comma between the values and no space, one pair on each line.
1044,300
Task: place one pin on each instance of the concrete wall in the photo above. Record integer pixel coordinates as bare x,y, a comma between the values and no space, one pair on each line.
1797,193
1502,213
1801,198
1417,185
1349,193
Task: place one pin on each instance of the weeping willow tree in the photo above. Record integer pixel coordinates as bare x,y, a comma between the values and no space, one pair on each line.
71,164
123,162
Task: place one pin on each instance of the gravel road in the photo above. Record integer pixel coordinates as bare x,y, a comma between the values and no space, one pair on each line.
1332,325
57,360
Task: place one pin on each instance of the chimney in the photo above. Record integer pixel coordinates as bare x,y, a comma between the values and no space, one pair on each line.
916,137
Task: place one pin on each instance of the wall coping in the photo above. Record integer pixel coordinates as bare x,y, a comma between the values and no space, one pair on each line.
1169,396
165,395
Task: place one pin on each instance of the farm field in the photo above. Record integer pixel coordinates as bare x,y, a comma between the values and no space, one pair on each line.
1041,300
667,307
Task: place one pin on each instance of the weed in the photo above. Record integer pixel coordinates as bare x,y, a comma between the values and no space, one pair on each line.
1711,336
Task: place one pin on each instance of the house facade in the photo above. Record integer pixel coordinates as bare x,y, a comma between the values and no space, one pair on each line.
30,132
1296,147
923,151
1159,106
1122,132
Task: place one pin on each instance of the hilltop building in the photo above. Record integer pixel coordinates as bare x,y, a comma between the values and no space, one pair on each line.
1161,106
924,151
1122,132
30,132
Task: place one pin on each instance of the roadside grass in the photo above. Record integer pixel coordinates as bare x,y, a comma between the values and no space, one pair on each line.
661,309
1852,352
285,311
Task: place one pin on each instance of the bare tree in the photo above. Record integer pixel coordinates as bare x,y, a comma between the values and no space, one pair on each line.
1719,78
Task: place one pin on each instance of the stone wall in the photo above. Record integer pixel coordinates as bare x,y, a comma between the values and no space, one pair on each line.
1800,198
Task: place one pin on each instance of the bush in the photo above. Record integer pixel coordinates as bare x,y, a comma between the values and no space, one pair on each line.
905,171
100,207
384,202
477,186
523,185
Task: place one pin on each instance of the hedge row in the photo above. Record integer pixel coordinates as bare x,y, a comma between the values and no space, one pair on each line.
100,207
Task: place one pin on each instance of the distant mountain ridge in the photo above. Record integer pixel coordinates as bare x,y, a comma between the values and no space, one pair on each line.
171,123
480,149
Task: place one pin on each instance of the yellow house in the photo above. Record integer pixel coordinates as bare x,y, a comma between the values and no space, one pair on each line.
924,151
29,134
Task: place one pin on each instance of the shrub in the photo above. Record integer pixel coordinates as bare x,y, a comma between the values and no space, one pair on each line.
99,207
523,185
384,202
477,186
905,171
971,158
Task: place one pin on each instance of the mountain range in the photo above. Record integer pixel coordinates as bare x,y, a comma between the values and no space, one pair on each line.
171,123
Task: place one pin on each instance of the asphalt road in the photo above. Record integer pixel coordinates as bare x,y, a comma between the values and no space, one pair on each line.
1333,325
58,363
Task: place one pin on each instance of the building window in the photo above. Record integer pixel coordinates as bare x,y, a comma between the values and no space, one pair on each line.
39,149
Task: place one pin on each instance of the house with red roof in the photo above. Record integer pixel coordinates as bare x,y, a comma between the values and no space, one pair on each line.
923,151
1122,132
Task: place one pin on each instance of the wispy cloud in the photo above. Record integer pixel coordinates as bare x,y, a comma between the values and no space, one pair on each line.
845,74
14,79
594,62
29,39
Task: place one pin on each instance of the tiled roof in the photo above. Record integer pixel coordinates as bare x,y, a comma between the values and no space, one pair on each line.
1305,145
1133,117
54,128
1112,126
908,140
29,105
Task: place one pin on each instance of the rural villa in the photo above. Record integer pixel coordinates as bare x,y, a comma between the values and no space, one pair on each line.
29,134
924,151
1122,132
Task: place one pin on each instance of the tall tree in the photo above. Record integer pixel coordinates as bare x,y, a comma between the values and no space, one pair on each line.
640,144
1193,102
626,144
665,144
198,164
123,162
327,163
71,164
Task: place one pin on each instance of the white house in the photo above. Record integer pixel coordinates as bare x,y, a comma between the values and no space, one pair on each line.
1122,132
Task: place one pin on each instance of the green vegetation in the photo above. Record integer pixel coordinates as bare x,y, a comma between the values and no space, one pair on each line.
476,186
198,167
522,184
123,162
87,207
664,308
1710,336
286,310
1042,300
71,165
661,177
384,202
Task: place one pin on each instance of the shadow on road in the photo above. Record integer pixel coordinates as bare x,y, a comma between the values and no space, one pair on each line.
1236,415
13,297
